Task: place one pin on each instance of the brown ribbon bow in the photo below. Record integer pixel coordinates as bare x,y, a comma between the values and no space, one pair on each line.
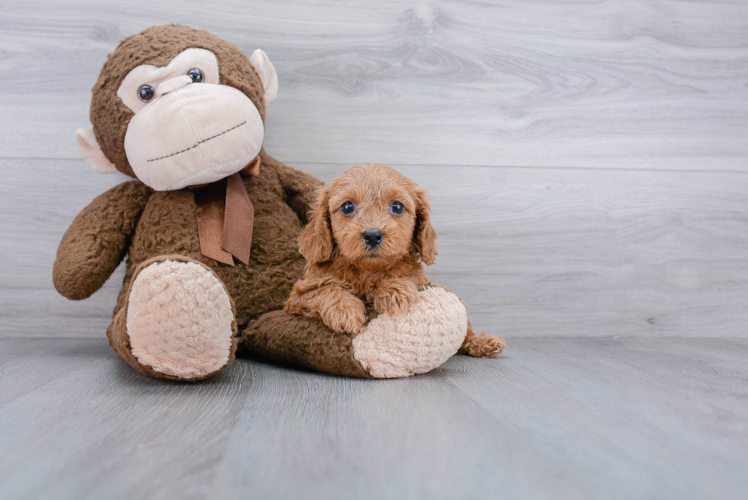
225,216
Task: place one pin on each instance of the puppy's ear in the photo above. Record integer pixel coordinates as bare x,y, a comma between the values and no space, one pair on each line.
315,243
424,236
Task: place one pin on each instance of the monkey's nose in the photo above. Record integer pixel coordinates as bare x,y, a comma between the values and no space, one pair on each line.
173,84
373,237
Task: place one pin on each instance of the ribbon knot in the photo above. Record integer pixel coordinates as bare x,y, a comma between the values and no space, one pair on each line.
225,216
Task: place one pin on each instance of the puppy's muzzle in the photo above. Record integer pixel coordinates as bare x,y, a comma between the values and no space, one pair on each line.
372,237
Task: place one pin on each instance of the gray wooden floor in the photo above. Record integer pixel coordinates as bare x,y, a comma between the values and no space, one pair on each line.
553,418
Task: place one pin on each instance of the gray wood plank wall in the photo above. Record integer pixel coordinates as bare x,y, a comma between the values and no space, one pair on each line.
587,160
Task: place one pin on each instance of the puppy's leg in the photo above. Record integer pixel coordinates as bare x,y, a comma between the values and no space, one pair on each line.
335,306
395,296
481,346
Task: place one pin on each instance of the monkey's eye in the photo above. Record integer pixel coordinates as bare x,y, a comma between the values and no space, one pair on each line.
397,208
146,93
196,75
348,208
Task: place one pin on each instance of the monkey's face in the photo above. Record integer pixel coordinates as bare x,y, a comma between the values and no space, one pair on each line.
188,129
178,107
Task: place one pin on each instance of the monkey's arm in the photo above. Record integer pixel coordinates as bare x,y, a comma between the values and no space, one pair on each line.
97,240
300,189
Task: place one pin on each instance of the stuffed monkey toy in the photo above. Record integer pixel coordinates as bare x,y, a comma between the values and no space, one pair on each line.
209,226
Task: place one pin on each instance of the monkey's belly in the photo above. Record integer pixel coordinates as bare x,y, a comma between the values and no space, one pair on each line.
168,226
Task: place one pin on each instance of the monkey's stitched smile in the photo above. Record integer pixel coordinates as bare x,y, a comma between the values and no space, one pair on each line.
199,142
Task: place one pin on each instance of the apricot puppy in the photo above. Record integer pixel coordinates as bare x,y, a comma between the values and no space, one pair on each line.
365,246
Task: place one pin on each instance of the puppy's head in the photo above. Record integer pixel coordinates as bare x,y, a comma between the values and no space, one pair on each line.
372,216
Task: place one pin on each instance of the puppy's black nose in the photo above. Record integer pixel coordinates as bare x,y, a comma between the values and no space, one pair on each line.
373,237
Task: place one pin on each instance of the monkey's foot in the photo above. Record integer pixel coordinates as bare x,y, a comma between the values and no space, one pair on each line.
417,342
180,320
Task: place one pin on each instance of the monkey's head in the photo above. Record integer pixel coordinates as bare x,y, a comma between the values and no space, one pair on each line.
176,107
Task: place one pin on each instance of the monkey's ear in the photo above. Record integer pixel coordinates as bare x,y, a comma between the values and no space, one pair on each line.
266,70
91,152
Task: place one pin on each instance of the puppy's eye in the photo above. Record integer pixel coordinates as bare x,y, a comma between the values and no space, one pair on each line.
146,93
348,208
397,208
196,75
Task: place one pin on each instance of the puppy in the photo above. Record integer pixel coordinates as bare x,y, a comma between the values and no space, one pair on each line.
365,246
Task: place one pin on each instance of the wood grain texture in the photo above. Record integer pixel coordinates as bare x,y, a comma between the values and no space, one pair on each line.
587,165
534,252
551,418
600,84
587,159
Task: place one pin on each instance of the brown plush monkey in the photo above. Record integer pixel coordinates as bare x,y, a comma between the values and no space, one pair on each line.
210,226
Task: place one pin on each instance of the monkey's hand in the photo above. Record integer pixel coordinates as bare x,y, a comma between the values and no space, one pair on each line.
97,240
395,296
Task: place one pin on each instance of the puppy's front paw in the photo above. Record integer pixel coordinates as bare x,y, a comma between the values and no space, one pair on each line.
396,300
347,316
483,346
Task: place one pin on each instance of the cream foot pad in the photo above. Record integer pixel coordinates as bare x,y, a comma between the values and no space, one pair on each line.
400,346
179,319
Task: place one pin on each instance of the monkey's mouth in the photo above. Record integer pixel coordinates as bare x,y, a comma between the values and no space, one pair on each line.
196,135
199,142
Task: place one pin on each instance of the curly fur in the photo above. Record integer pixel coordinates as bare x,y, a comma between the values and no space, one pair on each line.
345,280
